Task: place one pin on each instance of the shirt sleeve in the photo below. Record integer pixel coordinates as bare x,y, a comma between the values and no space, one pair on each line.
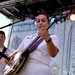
8,51
55,40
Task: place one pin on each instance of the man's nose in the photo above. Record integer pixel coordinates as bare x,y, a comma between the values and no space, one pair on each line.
40,23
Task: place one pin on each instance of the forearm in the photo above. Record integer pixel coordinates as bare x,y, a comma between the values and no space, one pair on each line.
52,49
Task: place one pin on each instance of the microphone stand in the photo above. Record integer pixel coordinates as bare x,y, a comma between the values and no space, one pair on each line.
57,19
12,23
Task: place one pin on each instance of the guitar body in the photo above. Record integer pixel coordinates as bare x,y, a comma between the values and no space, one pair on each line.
18,64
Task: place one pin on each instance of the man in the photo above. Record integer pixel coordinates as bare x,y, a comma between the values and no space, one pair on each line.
4,50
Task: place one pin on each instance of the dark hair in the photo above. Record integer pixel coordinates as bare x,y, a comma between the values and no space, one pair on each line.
44,13
2,32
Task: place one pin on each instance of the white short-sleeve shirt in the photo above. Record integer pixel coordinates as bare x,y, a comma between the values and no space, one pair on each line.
41,54
2,64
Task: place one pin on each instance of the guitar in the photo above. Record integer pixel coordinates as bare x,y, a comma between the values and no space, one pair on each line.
21,59
17,66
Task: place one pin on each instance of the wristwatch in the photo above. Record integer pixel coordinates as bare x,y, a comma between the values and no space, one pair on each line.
49,40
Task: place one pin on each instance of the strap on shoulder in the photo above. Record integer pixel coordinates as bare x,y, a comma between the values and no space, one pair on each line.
4,49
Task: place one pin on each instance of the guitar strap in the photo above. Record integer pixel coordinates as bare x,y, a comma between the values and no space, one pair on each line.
35,45
4,49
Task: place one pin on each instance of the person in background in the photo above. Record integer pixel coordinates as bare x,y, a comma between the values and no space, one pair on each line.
40,58
4,50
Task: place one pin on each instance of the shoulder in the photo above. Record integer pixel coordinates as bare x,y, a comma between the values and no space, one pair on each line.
55,40
9,51
30,36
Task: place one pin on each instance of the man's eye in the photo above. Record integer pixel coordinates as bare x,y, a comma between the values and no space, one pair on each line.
43,21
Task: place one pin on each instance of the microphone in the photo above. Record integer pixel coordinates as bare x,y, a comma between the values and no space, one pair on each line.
3,55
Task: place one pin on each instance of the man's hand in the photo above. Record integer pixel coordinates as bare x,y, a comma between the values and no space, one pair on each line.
8,62
11,56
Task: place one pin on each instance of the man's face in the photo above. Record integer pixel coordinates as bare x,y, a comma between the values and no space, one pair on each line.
2,39
42,21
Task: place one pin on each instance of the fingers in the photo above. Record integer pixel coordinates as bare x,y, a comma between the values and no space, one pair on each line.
12,55
43,32
8,62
